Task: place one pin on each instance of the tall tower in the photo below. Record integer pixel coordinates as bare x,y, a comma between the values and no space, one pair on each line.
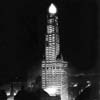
53,66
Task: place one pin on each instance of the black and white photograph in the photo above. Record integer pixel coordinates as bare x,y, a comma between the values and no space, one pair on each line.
50,50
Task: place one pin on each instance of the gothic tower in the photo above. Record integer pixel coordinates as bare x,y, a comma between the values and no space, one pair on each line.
53,66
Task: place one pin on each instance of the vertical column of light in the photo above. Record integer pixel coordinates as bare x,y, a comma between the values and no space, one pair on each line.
52,13
60,76
43,75
53,43
49,73
47,59
55,77
64,92
51,47
46,47
61,84
53,40
47,65
57,37
49,50
50,41
47,42
55,49
50,31
54,34
53,74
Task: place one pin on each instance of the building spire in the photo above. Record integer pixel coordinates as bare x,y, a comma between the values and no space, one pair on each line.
52,9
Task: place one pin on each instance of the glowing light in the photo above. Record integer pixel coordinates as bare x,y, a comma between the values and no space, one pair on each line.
15,93
50,29
88,81
10,98
8,93
51,90
52,9
75,85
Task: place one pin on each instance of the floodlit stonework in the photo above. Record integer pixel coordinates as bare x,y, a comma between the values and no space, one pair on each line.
54,73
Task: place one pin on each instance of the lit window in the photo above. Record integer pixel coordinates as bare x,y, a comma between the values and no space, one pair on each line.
43,65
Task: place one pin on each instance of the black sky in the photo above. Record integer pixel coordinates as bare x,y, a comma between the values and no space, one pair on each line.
22,30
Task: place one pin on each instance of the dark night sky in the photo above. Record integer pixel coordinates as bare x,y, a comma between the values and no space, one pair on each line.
22,30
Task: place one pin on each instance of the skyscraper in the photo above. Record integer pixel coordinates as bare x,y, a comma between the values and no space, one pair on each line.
53,66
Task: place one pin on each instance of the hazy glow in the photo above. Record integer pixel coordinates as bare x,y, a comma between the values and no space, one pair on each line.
75,85
51,90
15,92
10,98
52,9
88,81
8,93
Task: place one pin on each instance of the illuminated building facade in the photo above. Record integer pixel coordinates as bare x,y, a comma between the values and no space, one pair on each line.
53,66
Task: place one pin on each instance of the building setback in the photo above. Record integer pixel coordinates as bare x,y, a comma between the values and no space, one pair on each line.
54,73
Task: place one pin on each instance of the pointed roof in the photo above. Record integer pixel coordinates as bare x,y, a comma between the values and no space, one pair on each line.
52,9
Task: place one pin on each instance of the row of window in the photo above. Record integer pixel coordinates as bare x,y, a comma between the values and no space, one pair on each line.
50,35
57,63
50,29
50,55
54,65
58,82
51,21
53,46
49,74
54,75
51,66
57,73
50,58
52,72
50,47
58,77
53,80
53,84
50,51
